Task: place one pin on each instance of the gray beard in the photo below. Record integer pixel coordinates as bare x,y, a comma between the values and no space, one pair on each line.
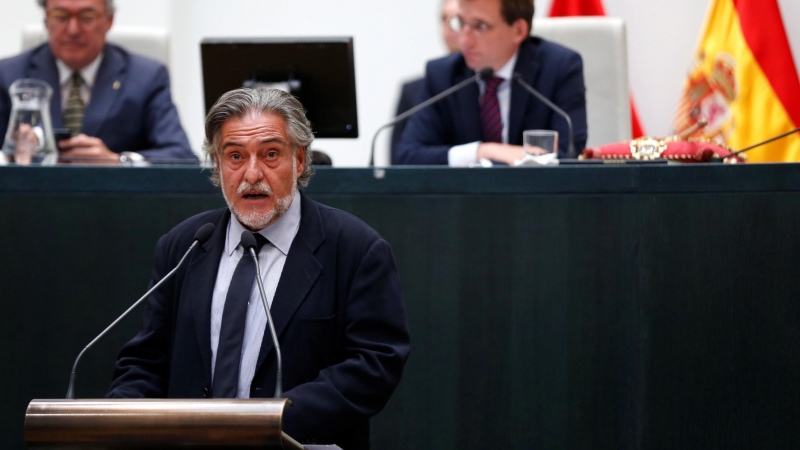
255,221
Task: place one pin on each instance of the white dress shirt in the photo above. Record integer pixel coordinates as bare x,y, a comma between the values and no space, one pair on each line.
271,259
465,154
89,73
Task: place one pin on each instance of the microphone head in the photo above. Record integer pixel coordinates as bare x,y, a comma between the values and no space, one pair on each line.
248,240
204,233
486,73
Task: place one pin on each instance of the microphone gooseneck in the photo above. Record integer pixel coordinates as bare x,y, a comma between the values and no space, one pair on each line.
551,105
774,138
249,244
482,74
686,132
200,237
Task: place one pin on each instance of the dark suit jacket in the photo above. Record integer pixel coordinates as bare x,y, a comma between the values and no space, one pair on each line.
408,99
551,69
338,313
138,116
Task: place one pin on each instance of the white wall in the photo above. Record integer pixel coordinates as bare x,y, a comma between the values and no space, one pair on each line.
16,14
392,42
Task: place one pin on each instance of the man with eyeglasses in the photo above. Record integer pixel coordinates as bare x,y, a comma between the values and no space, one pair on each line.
485,121
116,105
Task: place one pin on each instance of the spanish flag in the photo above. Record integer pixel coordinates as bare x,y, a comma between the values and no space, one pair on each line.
743,81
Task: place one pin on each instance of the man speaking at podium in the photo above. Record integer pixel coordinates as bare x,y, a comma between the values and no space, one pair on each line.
486,119
330,280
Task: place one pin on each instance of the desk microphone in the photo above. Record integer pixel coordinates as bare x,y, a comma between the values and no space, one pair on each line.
551,105
249,244
481,75
200,237
774,138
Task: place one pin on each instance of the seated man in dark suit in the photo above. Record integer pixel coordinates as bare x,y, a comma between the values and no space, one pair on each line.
116,105
486,120
409,92
330,279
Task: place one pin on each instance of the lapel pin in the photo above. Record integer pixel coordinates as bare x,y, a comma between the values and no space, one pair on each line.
116,85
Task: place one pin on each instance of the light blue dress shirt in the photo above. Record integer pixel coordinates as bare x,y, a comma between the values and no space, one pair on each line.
271,259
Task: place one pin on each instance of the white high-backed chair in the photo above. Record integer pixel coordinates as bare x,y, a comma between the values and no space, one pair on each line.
152,42
602,44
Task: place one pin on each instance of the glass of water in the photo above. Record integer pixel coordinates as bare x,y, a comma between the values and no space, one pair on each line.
540,142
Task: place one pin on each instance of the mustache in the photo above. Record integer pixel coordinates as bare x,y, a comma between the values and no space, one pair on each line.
258,188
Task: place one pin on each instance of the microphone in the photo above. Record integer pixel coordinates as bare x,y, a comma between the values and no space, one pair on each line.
551,105
774,138
688,131
200,237
249,244
482,74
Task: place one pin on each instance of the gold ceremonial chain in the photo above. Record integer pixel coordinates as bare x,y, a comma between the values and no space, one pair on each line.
646,148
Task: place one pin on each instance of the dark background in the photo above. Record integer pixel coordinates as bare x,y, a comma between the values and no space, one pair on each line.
571,307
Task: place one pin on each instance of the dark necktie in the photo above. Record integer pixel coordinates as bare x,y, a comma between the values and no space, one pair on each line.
491,121
231,334
73,113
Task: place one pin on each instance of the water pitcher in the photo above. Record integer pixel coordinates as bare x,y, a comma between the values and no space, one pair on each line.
29,138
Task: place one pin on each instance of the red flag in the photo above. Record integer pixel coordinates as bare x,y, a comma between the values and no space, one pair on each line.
561,8
636,124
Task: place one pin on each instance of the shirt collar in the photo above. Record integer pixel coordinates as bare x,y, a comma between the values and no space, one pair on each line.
507,71
89,73
281,233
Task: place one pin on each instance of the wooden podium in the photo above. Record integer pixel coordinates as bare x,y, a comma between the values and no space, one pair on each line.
156,423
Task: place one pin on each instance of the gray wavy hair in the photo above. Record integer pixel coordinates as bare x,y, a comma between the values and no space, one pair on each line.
240,102
109,5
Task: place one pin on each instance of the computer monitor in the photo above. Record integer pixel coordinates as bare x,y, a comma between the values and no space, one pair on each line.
320,72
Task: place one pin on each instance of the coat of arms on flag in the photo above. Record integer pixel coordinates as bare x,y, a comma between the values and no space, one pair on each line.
743,82
710,89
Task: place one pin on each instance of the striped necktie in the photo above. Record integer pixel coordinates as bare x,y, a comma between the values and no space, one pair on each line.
491,120
231,334
73,113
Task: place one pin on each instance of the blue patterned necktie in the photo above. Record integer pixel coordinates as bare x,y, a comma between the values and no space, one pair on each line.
231,334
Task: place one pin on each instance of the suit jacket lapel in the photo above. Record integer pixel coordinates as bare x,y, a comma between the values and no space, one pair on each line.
468,115
299,273
43,67
105,90
201,275
529,66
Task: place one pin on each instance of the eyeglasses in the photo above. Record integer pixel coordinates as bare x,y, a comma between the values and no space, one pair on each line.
478,28
60,18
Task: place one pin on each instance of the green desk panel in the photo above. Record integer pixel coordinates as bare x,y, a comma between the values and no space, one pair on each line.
583,307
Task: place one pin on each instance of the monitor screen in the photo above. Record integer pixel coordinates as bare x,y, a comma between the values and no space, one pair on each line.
320,72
